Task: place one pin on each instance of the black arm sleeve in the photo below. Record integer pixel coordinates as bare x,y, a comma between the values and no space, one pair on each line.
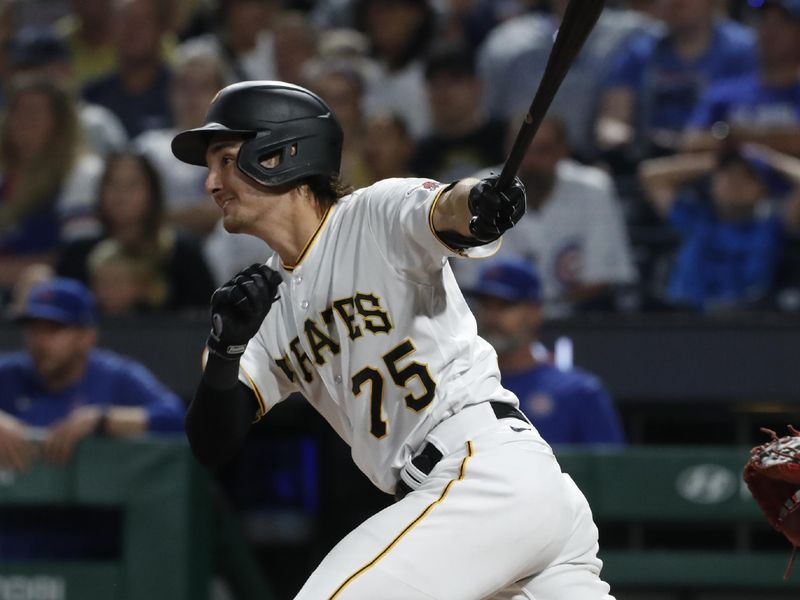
220,414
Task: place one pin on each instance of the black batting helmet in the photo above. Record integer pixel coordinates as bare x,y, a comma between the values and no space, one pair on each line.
275,118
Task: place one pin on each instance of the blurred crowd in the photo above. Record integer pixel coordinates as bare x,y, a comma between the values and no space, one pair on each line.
665,178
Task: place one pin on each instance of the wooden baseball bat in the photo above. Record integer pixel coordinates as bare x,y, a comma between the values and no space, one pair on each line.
579,19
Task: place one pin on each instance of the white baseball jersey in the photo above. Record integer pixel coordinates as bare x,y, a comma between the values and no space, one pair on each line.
371,327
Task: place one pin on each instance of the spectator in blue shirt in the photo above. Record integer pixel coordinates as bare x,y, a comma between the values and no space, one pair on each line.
762,107
657,78
732,212
566,406
62,388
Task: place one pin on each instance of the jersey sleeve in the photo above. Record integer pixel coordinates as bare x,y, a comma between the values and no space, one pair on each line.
400,218
259,371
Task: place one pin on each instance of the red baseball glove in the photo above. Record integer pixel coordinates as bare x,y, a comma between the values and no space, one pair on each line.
773,476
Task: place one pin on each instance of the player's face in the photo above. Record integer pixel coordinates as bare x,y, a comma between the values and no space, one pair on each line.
507,325
57,350
241,200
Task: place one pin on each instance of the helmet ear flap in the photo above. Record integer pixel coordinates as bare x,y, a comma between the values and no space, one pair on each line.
261,162
276,162
267,162
249,162
274,159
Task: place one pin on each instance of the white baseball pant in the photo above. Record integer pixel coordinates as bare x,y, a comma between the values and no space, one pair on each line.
495,519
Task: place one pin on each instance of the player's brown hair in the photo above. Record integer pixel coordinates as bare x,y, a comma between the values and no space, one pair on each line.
327,189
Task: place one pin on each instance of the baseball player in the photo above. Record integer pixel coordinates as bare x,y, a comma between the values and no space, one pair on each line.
358,310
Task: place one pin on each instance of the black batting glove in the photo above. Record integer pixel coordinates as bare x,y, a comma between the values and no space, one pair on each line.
238,309
494,211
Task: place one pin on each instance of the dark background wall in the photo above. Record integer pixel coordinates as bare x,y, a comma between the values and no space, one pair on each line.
646,359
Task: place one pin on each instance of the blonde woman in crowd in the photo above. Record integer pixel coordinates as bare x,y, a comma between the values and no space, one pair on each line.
46,179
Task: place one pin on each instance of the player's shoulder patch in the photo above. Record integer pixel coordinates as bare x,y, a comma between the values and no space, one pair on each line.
425,184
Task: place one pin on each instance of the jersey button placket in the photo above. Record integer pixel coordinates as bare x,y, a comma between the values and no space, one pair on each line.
297,279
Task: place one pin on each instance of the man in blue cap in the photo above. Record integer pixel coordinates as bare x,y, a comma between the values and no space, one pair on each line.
62,388
566,406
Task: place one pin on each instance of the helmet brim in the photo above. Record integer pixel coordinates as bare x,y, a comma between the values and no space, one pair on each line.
190,146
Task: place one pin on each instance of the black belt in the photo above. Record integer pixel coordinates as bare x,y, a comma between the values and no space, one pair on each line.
430,455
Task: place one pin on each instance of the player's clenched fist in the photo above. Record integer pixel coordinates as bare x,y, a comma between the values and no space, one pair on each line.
239,307
494,211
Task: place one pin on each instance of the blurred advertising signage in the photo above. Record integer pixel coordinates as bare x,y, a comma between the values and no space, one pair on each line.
32,587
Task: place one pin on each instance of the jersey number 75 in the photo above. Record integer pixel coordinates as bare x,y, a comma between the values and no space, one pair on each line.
401,376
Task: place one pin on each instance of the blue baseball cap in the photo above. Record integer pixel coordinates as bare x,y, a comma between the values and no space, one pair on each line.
60,300
512,280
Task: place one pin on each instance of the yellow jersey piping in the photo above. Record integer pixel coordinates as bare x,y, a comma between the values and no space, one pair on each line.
430,220
310,241
409,527
262,406
459,251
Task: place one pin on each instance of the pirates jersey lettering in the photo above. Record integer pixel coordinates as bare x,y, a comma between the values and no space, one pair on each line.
374,319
